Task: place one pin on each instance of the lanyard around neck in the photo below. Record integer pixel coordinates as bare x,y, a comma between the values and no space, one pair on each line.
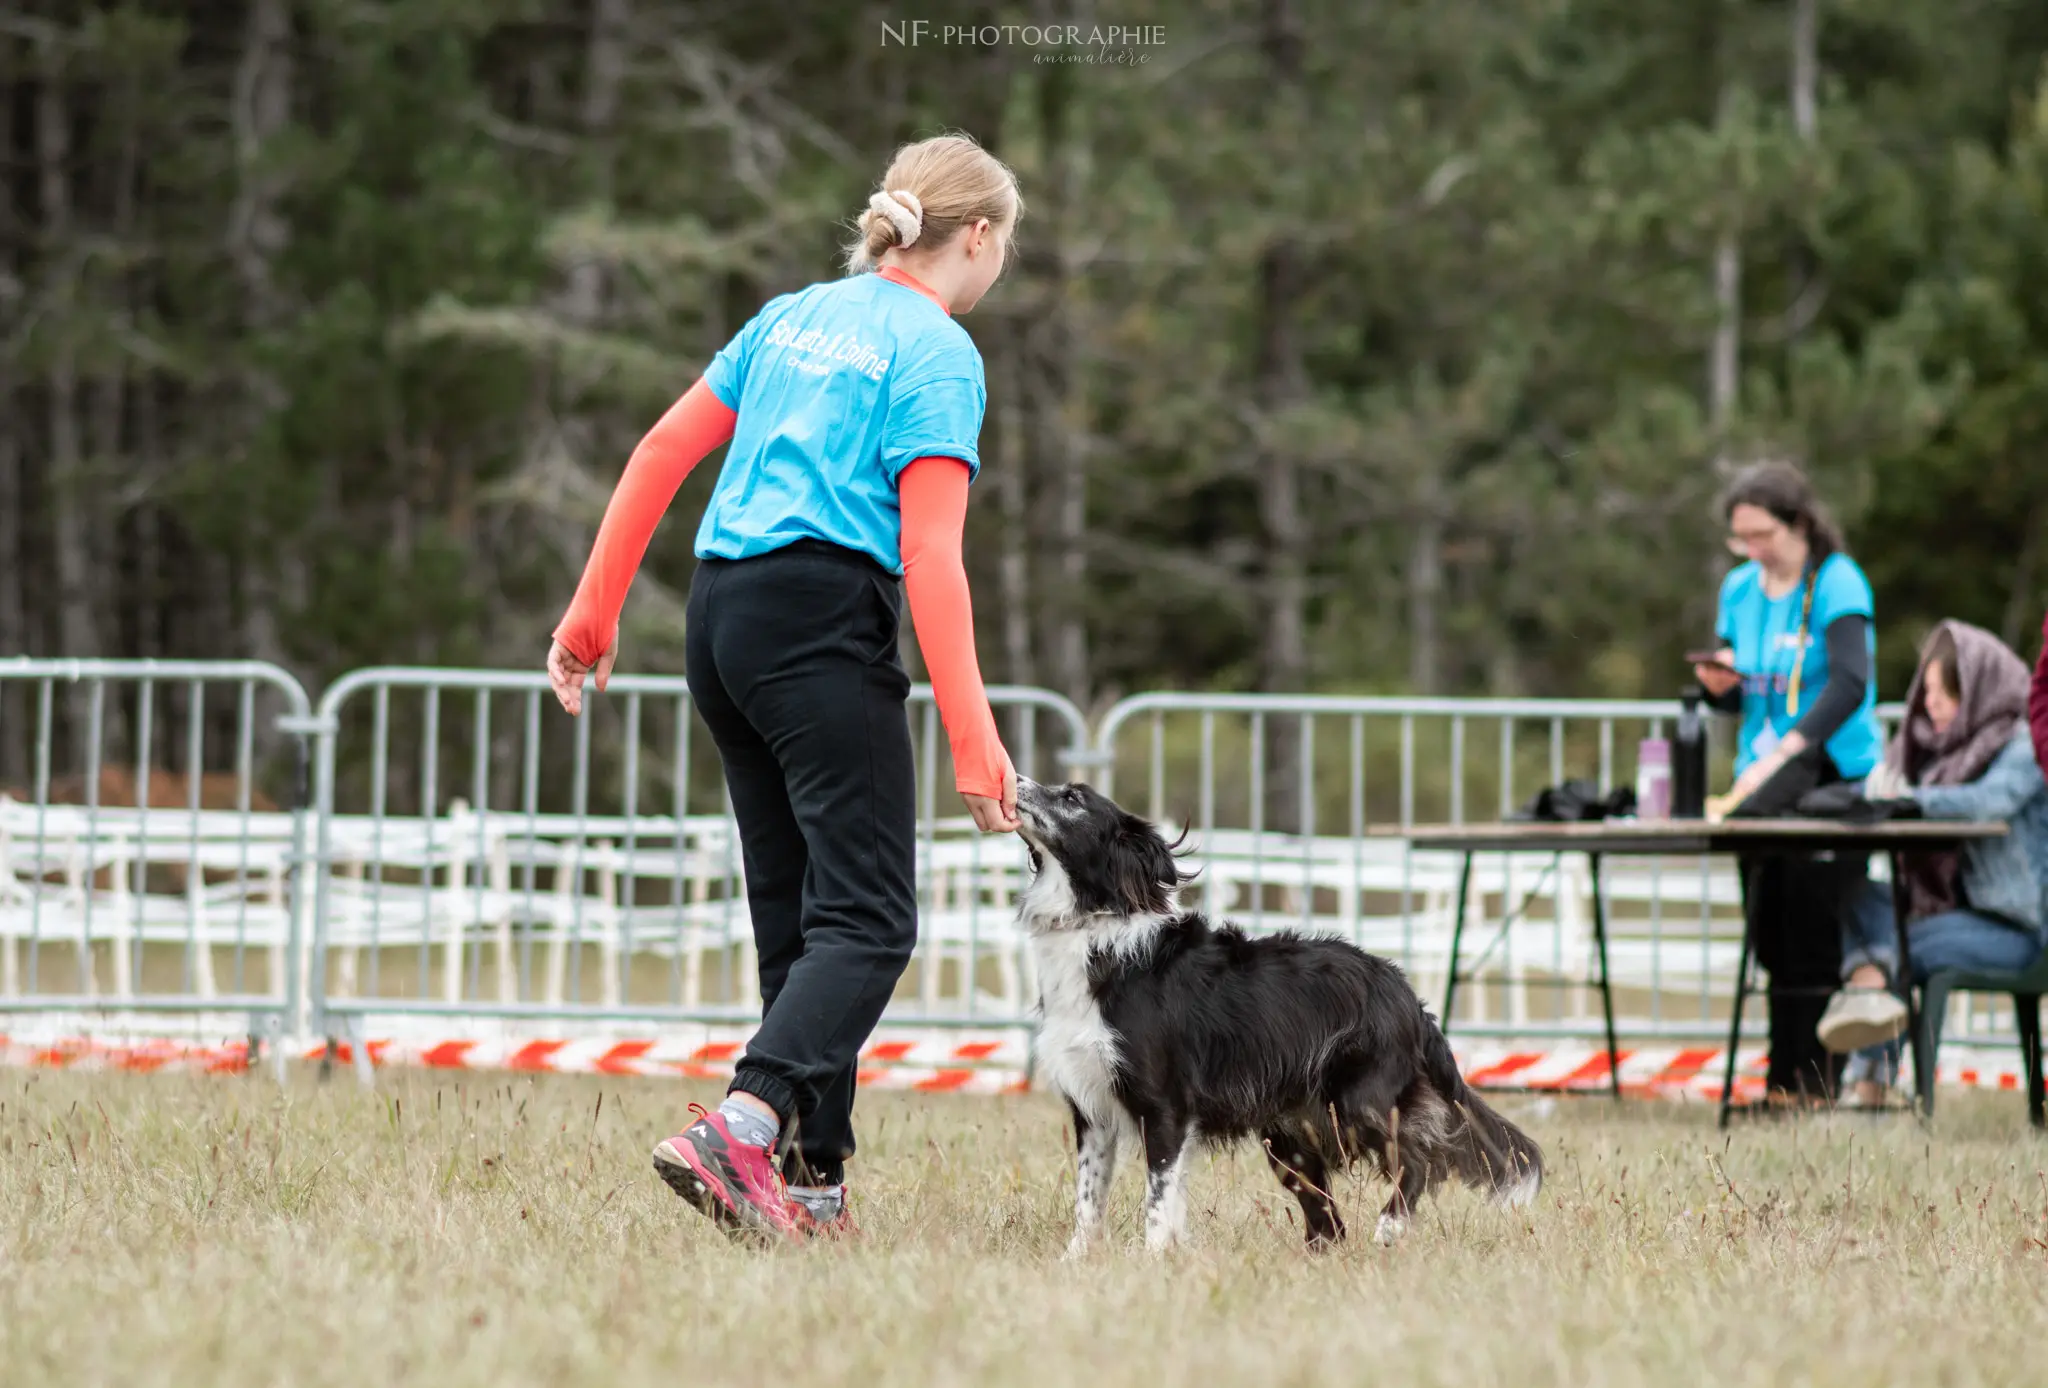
1809,577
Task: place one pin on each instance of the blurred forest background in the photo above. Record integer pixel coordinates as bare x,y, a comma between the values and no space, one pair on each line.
1377,347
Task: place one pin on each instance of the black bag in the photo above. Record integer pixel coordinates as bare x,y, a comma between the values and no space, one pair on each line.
1844,800
1577,801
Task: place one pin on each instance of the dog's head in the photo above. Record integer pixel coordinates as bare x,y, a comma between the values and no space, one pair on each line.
1091,858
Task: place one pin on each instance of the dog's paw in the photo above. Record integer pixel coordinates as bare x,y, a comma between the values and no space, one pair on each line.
1390,1230
1078,1248
1163,1241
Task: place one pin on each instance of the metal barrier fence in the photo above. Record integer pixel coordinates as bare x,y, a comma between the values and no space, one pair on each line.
148,842
1283,794
469,856
479,857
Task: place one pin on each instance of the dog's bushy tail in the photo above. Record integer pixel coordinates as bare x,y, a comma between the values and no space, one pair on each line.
1485,1150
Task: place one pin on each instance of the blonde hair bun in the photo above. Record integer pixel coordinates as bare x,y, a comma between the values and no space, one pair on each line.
904,212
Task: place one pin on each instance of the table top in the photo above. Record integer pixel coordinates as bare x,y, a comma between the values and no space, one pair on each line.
1651,836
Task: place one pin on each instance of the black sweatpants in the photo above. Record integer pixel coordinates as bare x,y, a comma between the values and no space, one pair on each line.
793,665
1798,903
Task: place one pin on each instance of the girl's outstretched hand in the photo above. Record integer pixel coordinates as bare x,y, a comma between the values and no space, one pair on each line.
993,816
566,672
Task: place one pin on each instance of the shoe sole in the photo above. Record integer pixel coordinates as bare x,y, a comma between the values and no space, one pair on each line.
682,1178
706,1193
1854,1035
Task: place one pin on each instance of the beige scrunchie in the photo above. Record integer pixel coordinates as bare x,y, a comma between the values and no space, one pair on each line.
904,212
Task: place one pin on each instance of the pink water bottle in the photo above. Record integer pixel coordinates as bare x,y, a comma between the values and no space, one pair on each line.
1653,778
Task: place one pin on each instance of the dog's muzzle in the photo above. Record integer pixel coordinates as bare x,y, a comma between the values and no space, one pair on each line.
1030,795
1033,817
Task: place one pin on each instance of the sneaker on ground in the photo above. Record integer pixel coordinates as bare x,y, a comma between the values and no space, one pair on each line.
735,1184
822,1210
837,1225
1859,1017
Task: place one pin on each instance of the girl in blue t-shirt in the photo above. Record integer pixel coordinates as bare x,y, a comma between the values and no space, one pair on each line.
1797,653
852,413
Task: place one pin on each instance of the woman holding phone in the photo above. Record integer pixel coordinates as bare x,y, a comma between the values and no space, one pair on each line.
1796,659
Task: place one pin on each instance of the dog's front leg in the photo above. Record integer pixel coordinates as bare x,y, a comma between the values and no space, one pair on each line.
1094,1165
1166,1194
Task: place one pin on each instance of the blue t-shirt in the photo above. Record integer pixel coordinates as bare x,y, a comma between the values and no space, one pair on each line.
838,388
1764,633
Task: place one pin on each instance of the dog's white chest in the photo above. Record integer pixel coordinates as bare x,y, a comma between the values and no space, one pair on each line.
1077,1051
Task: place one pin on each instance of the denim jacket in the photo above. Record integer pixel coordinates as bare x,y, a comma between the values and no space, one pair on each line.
2006,877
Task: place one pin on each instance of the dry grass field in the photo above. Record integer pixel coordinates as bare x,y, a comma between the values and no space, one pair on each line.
509,1231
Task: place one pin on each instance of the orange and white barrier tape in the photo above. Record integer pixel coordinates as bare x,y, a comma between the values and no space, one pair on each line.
948,1062
1663,1071
1693,1072
143,1054
930,1061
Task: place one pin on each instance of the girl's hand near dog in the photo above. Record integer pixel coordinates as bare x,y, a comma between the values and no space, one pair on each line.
993,815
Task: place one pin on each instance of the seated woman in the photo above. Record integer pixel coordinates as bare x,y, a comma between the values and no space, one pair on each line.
1965,752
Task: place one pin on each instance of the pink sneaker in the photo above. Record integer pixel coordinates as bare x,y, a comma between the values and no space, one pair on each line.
734,1183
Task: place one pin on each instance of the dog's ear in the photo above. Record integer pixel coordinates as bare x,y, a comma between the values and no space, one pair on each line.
1145,871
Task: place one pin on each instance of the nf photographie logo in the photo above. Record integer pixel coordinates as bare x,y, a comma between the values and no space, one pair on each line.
1121,45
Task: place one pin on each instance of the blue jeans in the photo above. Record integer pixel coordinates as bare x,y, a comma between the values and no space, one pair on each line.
1951,940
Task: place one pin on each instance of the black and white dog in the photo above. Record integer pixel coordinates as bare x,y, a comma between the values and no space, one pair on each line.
1162,1030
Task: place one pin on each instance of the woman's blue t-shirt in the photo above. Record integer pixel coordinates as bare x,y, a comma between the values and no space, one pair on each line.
1764,633
838,387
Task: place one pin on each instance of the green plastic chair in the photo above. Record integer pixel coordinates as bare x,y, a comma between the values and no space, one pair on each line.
2026,988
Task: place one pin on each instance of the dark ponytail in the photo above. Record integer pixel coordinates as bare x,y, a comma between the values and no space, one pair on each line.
1783,490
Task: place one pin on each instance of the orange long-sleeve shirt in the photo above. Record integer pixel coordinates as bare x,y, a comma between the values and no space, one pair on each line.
932,493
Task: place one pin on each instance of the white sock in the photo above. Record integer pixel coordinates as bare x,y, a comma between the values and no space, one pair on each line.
749,1124
824,1202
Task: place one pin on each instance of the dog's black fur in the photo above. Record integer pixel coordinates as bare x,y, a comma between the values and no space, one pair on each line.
1163,1027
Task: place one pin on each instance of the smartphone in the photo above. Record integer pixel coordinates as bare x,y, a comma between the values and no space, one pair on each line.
1711,658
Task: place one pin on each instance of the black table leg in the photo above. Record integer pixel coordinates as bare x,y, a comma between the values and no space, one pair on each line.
1457,938
1923,1070
1606,984
1741,991
2029,1008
